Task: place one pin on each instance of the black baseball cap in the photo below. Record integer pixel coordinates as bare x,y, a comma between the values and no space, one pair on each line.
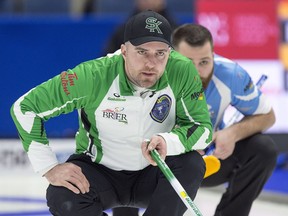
147,26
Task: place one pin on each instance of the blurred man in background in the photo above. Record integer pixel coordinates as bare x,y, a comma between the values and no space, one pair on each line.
247,156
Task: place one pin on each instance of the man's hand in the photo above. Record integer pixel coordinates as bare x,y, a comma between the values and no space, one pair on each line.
224,143
70,176
156,142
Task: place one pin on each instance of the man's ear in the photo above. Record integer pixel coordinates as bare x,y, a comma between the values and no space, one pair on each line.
123,50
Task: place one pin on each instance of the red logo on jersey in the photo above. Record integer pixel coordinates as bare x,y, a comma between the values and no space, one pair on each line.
67,79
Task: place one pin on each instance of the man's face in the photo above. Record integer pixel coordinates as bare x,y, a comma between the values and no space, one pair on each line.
145,64
202,58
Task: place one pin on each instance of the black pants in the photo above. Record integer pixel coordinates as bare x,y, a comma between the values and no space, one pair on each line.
246,172
147,188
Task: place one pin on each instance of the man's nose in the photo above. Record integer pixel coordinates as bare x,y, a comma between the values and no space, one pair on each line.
150,62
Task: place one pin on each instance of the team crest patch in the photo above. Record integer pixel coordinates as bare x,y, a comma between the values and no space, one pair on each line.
161,108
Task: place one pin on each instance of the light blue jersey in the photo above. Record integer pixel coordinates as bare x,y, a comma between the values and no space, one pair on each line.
232,85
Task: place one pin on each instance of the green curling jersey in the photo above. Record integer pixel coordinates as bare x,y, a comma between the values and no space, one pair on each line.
114,117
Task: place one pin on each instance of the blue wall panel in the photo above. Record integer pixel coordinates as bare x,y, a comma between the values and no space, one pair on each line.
33,50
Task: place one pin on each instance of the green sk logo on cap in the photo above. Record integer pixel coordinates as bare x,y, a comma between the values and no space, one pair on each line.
153,25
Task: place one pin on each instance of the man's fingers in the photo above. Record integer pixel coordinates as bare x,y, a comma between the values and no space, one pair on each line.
222,153
78,183
70,176
162,153
151,146
81,181
157,143
75,184
70,186
146,152
77,178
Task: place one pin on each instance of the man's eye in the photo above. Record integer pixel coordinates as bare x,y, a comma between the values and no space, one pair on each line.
160,53
141,52
204,63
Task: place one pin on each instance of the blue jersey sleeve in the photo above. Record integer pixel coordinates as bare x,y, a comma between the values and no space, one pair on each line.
245,95
231,85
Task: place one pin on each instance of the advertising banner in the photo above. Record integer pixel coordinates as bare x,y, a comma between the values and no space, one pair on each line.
241,29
